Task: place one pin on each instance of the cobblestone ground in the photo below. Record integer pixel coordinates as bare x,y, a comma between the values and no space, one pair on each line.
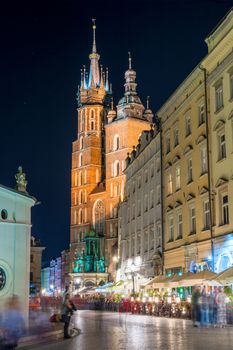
113,331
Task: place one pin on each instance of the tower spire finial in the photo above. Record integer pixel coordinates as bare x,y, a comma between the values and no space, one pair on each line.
81,71
147,102
130,60
94,42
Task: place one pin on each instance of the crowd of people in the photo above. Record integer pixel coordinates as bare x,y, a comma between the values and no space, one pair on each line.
209,308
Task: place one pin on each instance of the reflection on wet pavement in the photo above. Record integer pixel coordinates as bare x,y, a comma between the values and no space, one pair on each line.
113,331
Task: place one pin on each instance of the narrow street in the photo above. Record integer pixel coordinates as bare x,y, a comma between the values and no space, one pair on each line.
114,331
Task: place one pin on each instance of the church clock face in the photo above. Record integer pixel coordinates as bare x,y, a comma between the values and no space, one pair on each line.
2,278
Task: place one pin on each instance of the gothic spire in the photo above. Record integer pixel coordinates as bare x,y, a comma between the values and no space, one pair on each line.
106,81
94,42
84,77
94,66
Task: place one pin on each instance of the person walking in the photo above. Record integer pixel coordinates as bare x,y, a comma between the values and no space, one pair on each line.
221,302
215,306
12,323
196,306
67,311
204,308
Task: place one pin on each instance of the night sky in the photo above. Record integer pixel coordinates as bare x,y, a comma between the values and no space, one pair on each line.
42,50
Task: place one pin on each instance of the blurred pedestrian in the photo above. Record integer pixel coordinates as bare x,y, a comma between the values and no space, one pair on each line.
215,306
204,308
221,302
66,291
12,323
196,306
67,311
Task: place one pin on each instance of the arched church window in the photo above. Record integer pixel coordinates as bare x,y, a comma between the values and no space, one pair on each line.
117,168
82,121
85,177
92,120
81,197
99,217
116,142
80,178
80,219
80,159
81,143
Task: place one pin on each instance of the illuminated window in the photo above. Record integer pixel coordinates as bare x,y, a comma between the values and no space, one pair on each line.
179,219
190,170
178,177
201,114
218,97
176,136
188,128
224,209
99,217
169,183
116,143
206,214
203,160
222,145
192,214
170,228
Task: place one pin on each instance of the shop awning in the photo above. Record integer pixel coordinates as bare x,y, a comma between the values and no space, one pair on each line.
225,277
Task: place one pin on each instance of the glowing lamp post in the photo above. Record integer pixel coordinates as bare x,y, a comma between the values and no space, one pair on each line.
132,271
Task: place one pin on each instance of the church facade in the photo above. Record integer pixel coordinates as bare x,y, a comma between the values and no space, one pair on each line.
105,135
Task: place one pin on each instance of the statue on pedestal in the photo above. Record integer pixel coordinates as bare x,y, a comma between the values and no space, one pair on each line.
21,182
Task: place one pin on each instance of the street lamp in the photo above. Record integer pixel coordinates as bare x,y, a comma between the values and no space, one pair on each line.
132,271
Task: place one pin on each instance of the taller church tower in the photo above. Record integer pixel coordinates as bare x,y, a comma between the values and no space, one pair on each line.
88,155
104,138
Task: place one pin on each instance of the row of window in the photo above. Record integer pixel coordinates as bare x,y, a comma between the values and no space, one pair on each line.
219,95
134,246
224,218
147,176
80,197
80,178
148,203
188,128
80,217
83,122
172,185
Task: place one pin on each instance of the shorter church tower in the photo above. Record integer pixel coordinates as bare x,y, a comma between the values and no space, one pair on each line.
122,132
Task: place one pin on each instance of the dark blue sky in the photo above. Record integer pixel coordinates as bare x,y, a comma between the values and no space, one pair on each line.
43,47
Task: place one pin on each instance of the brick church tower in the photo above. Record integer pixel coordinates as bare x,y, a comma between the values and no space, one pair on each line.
104,138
